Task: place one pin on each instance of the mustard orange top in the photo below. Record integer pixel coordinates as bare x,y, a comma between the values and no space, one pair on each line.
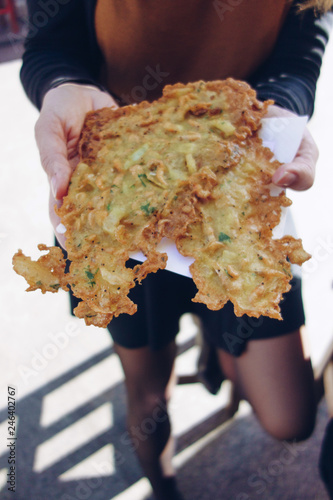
149,43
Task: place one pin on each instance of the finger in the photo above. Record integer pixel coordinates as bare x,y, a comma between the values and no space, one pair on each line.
52,147
103,100
59,229
300,173
60,177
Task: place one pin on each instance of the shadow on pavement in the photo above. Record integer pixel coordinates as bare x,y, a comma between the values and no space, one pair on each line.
240,462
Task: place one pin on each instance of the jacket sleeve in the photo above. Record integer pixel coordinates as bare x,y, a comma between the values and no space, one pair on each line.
290,75
59,47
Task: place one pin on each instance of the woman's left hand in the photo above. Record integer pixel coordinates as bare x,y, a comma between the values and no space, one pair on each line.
300,173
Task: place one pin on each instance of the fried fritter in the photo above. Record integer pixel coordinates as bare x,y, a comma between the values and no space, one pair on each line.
190,167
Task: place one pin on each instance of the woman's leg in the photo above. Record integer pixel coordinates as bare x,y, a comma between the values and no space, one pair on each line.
148,378
277,380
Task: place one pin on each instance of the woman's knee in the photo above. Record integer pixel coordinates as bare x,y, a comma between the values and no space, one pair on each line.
291,426
148,405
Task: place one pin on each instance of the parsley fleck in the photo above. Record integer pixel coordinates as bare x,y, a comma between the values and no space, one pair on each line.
91,276
143,177
147,209
224,237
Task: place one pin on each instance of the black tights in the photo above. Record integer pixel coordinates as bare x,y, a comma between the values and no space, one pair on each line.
272,374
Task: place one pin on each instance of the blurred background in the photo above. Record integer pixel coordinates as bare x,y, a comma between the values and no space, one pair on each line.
71,408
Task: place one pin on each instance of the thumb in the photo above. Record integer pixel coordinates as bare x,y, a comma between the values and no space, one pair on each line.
62,171
299,174
60,175
53,152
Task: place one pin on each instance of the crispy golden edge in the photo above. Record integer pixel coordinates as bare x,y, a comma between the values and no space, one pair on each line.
46,274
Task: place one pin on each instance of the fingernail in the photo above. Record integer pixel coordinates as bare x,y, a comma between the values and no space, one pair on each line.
60,228
54,187
286,179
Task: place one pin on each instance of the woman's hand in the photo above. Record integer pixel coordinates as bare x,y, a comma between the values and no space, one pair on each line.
300,173
57,134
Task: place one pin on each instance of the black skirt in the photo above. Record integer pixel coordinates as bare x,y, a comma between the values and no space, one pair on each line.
163,297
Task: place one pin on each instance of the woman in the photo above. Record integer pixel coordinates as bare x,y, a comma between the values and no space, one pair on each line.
82,55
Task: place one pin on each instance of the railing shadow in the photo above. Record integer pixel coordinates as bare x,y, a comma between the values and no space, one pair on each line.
110,478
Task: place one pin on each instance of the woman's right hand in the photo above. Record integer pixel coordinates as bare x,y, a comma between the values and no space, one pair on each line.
57,132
